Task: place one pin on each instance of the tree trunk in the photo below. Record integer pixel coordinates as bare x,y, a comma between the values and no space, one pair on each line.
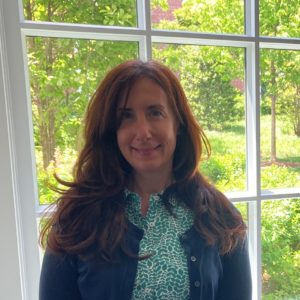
45,117
46,125
297,112
273,112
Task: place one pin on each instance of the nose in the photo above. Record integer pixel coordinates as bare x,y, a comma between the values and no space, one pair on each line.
143,130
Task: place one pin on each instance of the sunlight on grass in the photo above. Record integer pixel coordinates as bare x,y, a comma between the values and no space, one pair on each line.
285,172
227,166
288,144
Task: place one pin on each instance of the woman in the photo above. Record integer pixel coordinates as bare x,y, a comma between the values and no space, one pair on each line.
139,221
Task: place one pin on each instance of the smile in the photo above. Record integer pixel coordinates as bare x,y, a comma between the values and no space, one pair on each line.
145,151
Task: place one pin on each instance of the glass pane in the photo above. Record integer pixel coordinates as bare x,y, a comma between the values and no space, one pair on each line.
281,249
243,209
213,79
279,18
280,118
63,75
217,16
101,12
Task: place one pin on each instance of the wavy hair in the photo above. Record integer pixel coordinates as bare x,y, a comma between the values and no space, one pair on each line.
89,216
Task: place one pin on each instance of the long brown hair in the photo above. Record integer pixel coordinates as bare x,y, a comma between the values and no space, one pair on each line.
90,213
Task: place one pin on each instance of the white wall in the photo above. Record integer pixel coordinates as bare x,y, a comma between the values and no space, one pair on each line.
19,259
10,281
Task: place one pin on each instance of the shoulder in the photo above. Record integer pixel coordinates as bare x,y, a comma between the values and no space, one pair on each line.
58,278
53,261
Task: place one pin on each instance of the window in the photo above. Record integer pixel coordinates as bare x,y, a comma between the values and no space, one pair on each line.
239,63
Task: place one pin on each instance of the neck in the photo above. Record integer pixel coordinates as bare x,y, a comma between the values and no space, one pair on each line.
145,185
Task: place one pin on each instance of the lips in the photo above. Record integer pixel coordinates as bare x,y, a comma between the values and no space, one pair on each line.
145,151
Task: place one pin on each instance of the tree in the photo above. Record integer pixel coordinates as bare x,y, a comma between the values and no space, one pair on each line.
64,72
207,73
279,18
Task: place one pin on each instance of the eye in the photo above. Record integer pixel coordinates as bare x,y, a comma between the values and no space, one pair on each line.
156,113
125,115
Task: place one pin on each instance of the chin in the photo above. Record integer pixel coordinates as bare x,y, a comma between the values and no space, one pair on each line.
148,168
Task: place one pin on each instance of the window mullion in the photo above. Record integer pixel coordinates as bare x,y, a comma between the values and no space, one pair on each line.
254,236
253,158
252,17
144,22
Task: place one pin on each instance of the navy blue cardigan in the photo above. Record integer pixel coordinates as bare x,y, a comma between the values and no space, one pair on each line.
212,277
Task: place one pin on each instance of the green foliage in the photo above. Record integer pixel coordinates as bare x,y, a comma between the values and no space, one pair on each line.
279,18
207,75
226,171
161,4
288,144
208,16
243,209
280,82
104,12
206,72
281,248
278,176
64,161
63,75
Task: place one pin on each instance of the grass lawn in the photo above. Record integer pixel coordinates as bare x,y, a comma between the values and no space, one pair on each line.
226,167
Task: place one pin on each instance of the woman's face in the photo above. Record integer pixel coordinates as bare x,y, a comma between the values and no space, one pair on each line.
148,128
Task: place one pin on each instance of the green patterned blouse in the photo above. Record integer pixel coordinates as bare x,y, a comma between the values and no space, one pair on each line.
164,275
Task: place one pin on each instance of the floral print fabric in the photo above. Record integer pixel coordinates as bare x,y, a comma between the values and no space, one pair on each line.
164,275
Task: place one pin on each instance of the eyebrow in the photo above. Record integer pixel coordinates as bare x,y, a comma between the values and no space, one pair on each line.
121,109
156,106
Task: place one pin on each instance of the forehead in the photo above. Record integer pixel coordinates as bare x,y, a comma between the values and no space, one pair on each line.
144,90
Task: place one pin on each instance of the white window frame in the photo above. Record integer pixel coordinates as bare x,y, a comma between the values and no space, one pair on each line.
18,191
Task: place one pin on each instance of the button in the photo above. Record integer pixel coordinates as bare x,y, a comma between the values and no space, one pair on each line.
151,224
197,283
193,258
